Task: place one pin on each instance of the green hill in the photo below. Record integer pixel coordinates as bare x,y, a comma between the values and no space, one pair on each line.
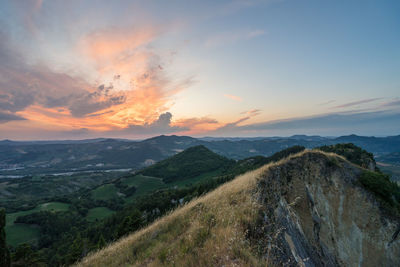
125,204
302,210
352,153
190,163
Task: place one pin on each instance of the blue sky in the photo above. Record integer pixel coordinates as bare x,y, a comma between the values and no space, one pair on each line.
133,69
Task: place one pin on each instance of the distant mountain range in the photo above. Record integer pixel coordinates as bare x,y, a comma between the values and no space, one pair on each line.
33,157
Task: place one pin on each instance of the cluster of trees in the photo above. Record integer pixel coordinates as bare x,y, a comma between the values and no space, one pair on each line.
385,190
352,153
4,252
67,236
192,162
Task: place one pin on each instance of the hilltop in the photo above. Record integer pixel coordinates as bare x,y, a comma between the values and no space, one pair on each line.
190,163
309,209
49,157
103,204
106,211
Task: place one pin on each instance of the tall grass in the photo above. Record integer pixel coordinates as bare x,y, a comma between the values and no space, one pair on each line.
208,231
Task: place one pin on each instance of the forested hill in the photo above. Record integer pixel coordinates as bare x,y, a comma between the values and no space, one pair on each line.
69,226
301,211
192,162
19,158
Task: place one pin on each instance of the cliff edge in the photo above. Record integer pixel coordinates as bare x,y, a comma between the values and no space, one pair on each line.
307,210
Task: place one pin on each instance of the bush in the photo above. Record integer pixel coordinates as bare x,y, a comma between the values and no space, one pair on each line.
386,191
352,153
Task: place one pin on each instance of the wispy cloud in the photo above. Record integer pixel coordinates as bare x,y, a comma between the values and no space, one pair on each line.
252,112
393,103
233,97
356,103
326,103
328,124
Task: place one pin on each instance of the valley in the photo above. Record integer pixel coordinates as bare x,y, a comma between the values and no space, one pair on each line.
51,212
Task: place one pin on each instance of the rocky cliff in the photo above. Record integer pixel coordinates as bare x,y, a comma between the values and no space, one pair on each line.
316,213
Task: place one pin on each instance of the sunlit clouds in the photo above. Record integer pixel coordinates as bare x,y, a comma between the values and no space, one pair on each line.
233,97
135,69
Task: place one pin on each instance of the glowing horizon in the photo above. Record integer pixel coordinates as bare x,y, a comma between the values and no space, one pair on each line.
134,69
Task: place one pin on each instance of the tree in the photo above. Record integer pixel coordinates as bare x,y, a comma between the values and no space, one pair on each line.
4,252
76,250
101,243
130,223
25,256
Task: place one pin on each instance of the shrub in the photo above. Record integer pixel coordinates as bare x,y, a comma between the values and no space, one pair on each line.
387,192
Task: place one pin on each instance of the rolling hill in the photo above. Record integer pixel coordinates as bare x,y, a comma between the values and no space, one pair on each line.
105,211
310,209
22,158
190,163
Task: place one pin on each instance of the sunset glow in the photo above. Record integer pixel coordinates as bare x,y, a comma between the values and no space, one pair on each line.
134,69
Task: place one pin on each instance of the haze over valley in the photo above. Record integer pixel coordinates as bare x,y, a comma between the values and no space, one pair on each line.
199,133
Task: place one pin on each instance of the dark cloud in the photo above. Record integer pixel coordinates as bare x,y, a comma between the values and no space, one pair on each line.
95,101
6,117
161,126
380,122
23,85
231,127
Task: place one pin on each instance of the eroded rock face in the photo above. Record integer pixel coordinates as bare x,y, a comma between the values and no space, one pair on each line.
316,214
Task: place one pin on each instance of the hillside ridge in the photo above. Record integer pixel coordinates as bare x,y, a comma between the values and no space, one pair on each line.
307,209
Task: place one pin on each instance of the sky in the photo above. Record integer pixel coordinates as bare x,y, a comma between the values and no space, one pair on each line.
134,69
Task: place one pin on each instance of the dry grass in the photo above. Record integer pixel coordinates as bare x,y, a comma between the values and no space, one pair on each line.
208,231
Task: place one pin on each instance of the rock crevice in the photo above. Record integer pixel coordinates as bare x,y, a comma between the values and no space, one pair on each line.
316,214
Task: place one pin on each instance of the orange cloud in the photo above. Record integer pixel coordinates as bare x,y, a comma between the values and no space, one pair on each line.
197,126
122,52
233,97
138,90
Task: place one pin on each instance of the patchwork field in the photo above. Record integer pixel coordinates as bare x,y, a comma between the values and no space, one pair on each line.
391,169
22,233
98,213
143,184
105,192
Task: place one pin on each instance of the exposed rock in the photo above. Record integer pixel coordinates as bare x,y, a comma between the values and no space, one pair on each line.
316,214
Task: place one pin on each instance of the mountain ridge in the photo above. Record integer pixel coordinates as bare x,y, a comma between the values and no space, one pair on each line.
105,154
281,204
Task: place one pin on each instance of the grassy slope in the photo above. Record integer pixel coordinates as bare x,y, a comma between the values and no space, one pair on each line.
144,184
98,213
193,165
208,231
22,233
194,235
105,192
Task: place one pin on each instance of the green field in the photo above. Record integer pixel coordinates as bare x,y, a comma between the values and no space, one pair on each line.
22,233
143,184
392,169
105,192
197,179
98,213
